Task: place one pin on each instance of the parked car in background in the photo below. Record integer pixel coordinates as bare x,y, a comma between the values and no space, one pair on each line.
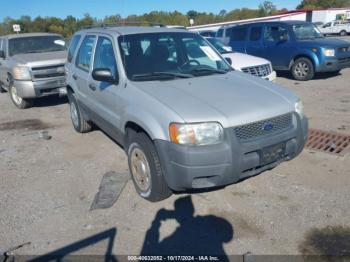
318,24
336,28
224,34
249,64
207,33
31,66
294,46
184,123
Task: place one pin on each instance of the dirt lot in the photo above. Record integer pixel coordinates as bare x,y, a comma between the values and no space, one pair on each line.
47,187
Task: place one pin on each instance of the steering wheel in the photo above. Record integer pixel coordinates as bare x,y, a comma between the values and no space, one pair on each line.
189,62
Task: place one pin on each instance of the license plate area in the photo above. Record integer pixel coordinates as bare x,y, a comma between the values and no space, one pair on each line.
272,153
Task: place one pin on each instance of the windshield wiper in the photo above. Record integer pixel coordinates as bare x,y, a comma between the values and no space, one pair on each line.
208,71
162,75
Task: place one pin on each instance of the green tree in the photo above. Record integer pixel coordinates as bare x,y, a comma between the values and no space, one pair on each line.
314,4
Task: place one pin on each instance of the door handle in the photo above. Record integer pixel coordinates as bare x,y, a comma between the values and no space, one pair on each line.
92,87
74,77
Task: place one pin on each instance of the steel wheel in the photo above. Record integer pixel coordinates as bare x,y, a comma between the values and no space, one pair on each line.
140,169
18,100
303,69
74,114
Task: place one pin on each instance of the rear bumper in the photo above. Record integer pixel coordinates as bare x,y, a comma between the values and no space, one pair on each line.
187,167
334,64
33,89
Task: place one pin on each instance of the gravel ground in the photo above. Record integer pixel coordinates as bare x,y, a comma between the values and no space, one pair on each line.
47,187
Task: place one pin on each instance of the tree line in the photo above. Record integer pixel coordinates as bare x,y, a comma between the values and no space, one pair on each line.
67,26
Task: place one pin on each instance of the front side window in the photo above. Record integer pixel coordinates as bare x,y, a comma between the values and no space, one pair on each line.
239,34
327,25
36,44
275,34
220,46
153,56
84,56
306,31
104,55
73,46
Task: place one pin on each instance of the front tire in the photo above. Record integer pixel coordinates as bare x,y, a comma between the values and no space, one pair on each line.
18,101
145,168
343,33
78,121
303,69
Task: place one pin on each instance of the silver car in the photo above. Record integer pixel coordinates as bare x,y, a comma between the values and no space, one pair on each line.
31,66
185,123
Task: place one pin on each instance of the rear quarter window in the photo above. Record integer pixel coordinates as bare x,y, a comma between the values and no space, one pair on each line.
239,34
73,46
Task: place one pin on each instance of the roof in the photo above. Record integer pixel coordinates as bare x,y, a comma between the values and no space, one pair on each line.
28,35
127,30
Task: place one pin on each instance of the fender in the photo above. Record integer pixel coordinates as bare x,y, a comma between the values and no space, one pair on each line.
144,119
309,54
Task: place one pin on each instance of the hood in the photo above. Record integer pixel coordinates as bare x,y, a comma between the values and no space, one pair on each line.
325,42
232,99
41,59
240,60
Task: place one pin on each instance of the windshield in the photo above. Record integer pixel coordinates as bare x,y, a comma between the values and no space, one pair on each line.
154,56
220,46
36,44
306,32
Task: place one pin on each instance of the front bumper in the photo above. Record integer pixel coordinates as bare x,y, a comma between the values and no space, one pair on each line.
334,64
33,89
190,167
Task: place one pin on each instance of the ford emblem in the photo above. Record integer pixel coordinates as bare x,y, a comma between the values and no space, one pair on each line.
267,127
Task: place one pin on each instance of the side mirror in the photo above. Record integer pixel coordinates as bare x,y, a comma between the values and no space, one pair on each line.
229,60
104,75
2,54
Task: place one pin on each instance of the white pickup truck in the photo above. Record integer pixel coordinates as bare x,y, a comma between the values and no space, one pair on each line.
335,27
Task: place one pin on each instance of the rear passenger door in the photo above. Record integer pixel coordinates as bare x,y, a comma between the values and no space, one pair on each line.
238,38
81,75
254,44
105,95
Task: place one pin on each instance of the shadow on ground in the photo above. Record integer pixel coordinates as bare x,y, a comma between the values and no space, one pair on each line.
195,235
328,241
50,101
318,76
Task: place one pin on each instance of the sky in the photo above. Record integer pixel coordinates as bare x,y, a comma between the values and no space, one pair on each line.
101,8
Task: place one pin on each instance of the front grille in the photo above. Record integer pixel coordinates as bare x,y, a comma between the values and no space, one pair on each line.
344,49
264,127
260,71
48,71
344,60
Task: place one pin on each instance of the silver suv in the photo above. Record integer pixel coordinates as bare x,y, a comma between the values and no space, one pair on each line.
32,65
185,123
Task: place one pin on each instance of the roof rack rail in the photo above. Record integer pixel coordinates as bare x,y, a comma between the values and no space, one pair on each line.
124,23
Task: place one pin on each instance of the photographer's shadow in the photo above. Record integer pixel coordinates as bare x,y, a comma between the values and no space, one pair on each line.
196,235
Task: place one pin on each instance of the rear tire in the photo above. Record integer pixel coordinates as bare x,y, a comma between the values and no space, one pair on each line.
343,33
145,168
19,102
78,121
303,69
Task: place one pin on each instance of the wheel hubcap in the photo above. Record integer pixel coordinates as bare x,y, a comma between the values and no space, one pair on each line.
302,69
74,114
16,98
140,169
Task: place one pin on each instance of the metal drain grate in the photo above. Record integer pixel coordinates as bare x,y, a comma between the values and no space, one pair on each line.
329,142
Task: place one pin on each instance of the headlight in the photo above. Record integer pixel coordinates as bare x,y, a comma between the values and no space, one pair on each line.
299,108
329,52
21,73
196,134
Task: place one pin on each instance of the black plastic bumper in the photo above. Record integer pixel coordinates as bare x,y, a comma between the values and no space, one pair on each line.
195,167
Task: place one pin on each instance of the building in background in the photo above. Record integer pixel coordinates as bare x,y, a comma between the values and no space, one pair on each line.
320,16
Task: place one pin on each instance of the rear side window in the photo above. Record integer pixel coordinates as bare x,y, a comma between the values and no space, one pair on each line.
239,34
255,33
220,33
84,56
275,33
73,46
104,55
